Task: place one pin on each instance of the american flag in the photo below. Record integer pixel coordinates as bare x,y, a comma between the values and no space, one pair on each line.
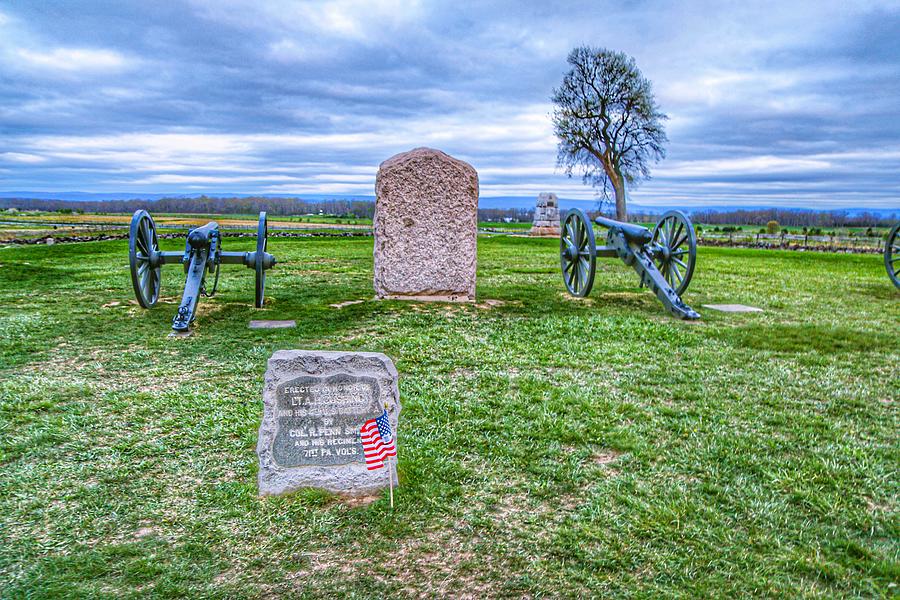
377,441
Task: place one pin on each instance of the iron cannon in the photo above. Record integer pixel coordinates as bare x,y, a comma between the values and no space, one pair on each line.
202,254
892,255
663,258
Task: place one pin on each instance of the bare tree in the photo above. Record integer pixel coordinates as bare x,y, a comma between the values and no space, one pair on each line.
607,121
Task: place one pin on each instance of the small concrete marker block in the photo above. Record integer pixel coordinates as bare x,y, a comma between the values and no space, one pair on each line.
732,308
263,324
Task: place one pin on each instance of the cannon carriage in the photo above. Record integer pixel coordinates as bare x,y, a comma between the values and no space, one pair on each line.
664,258
892,255
202,255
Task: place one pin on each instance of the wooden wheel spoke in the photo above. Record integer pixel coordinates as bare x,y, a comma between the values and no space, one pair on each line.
145,233
679,233
141,244
582,235
676,261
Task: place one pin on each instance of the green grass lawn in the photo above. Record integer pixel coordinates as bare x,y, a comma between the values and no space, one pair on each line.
549,446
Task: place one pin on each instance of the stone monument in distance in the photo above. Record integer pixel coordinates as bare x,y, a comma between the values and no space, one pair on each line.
317,409
546,216
426,227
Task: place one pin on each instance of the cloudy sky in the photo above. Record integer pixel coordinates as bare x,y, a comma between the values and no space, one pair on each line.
775,104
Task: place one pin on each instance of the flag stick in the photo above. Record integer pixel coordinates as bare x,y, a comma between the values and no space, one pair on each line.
390,469
391,479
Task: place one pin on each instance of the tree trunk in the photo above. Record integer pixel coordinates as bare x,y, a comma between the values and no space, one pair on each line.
619,187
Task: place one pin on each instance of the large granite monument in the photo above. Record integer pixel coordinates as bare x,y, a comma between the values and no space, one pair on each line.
546,216
318,409
426,227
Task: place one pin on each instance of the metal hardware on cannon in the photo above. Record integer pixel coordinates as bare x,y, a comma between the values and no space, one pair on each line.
664,258
892,255
202,254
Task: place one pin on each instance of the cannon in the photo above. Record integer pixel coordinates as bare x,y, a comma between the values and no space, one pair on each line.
202,254
892,255
664,258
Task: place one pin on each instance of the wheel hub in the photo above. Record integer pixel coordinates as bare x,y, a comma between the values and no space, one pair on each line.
665,252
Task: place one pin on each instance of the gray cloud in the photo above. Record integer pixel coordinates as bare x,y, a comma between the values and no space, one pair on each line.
770,103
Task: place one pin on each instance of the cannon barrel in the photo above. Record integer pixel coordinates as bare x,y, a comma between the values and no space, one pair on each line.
200,236
633,233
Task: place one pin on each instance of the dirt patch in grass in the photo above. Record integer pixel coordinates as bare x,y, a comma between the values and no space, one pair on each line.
606,457
490,303
438,563
570,298
360,501
143,532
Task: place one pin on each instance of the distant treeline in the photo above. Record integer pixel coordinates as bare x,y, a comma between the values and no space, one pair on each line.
366,209
794,218
785,218
203,205
497,215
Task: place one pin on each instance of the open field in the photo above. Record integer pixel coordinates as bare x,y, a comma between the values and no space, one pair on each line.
549,446
36,224
32,225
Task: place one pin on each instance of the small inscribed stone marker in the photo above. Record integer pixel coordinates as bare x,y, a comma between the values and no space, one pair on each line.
315,406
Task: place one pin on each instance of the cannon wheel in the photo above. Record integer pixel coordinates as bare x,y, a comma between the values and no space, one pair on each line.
578,253
674,234
142,243
892,255
262,236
